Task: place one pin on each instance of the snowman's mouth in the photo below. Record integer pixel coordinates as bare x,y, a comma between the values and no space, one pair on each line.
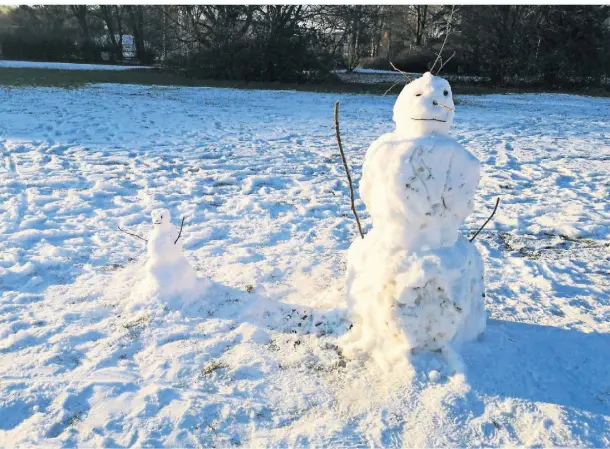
430,120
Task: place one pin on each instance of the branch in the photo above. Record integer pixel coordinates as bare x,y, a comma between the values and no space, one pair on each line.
180,233
408,78
443,64
486,221
133,235
349,177
447,108
438,56
390,88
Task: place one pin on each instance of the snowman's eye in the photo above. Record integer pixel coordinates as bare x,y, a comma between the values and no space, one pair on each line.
445,93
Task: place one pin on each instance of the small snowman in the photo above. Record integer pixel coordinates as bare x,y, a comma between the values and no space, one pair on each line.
414,281
169,273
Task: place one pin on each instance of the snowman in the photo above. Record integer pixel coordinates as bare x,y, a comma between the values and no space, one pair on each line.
169,273
414,281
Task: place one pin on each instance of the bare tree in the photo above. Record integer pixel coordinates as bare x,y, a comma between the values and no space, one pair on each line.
112,16
80,14
135,14
421,20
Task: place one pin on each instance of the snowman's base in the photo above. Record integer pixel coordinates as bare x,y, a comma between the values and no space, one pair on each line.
400,300
172,285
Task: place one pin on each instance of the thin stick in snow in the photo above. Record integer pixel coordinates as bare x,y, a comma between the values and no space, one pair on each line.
133,235
180,233
349,177
486,221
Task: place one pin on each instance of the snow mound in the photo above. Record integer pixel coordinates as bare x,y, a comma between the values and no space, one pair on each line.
414,281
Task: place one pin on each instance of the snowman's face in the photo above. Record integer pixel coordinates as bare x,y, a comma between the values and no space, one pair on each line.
160,216
425,106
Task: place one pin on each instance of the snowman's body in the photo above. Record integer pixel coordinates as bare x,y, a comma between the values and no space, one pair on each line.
170,273
414,281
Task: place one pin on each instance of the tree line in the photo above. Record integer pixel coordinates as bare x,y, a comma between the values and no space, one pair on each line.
504,44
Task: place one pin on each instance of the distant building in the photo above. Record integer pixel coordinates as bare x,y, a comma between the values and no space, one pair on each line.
129,47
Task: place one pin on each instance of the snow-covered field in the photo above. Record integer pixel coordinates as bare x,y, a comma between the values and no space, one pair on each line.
64,65
258,177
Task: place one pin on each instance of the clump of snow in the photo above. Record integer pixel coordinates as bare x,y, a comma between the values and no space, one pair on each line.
414,281
169,278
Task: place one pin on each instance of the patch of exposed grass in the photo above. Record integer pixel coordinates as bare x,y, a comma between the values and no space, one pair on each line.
135,328
212,366
25,77
140,322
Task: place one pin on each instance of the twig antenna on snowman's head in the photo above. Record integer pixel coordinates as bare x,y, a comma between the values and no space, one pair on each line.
439,54
391,87
407,77
444,63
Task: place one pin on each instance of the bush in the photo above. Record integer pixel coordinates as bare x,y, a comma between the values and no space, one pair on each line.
418,60
35,47
147,57
294,58
412,60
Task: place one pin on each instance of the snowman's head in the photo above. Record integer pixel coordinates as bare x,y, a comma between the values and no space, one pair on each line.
425,106
160,216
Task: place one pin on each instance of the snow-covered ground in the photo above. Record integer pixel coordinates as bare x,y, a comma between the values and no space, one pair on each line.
65,65
258,177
